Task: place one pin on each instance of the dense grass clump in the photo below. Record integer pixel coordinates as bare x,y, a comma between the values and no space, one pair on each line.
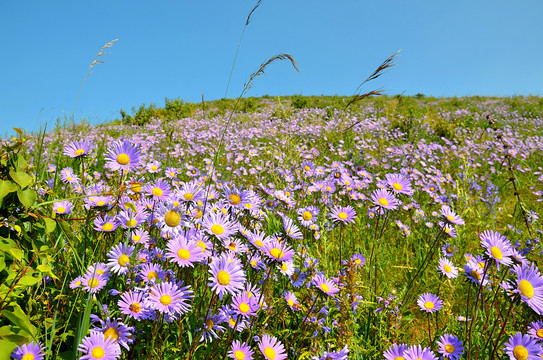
295,227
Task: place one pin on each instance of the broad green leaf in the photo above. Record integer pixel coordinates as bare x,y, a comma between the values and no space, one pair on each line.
6,187
6,333
16,253
21,178
27,197
50,225
17,317
29,280
6,244
6,348
44,268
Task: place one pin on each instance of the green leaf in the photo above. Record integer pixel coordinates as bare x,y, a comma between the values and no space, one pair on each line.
6,348
44,268
50,225
21,178
16,253
17,317
27,197
6,244
29,279
6,332
6,187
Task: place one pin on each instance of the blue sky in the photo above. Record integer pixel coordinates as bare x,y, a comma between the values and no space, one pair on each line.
186,48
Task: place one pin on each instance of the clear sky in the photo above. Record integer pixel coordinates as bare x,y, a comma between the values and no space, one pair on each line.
186,48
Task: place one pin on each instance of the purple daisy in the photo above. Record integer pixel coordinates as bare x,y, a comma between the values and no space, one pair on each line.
450,347
116,330
96,347
395,352
497,247
429,302
105,223
119,258
278,251
160,190
417,352
344,214
169,298
123,156
529,285
184,252
384,199
523,347
271,348
77,149
240,351
218,225
450,216
325,285
447,268
292,301
132,304
63,207
31,351
535,330
93,282
292,230
448,250
307,215
151,272
245,305
226,276
399,184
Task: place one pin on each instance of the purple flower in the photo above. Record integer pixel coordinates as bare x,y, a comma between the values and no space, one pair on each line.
169,298
344,214
123,156
271,348
417,352
522,347
450,347
325,285
384,199
63,207
399,184
226,276
184,252
240,351
32,350
395,352
96,347
278,251
429,302
497,247
450,216
530,286
77,149
218,225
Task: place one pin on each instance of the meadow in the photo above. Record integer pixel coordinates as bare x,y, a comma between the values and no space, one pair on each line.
277,227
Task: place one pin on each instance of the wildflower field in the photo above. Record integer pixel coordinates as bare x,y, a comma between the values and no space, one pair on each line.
278,228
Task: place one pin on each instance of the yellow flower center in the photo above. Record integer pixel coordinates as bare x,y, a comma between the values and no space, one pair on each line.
28,357
307,168
239,355
112,333
98,352
399,358
496,252
276,253
284,267
429,305
217,229
123,159
307,215
397,186
157,191
202,245
154,167
232,246
197,214
450,218
520,352
69,178
476,274
94,283
269,352
449,348
131,223
342,215
183,254
539,333
152,275
383,201
172,218
324,287
100,203
235,199
449,250
290,302
123,260
107,227
447,268
135,187
259,243
79,152
61,210
166,300
136,238
223,277
526,288
188,196
244,308
209,324
135,307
